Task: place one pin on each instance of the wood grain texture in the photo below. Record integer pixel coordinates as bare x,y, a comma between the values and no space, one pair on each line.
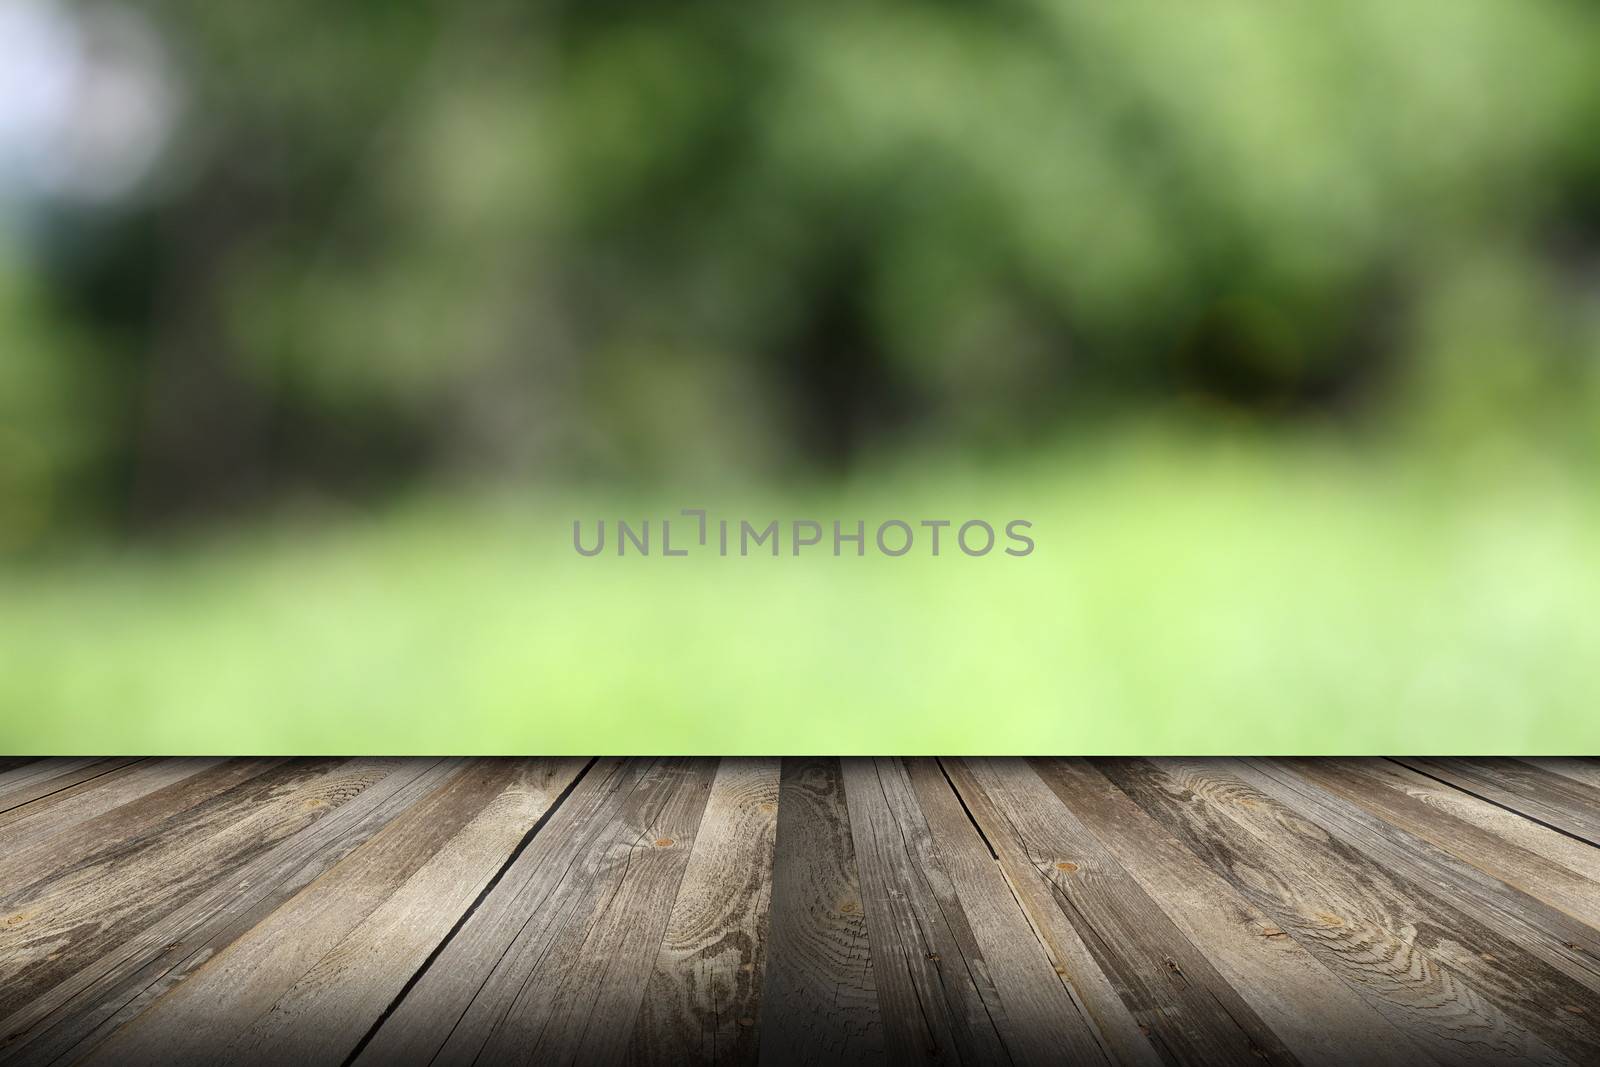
517,975
1469,995
934,991
23,827
117,986
278,991
1318,1016
975,911
1185,1008
1097,996
820,1001
327,1012
1040,1021
1394,823
1576,856
703,998
51,781
579,1003
1556,800
56,924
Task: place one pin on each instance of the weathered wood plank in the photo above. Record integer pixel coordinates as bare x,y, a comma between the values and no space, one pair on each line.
56,779
487,996
1418,960
1319,1018
820,1004
15,779
1097,995
24,826
91,1004
579,1004
1584,770
704,997
479,808
322,1018
1041,1022
508,929
11,764
57,925
35,858
1579,857
1512,871
1188,1010
937,1001
1555,800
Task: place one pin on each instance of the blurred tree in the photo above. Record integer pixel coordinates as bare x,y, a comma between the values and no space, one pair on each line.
635,238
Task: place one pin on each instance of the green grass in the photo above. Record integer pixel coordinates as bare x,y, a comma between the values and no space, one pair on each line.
1207,597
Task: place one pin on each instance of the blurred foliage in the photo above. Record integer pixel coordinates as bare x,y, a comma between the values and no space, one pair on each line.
631,239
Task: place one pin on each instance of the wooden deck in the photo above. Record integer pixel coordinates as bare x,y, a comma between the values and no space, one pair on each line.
375,911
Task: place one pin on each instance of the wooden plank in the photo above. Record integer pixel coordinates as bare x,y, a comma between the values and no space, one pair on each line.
82,1010
937,1001
23,827
1318,1017
1094,992
476,962
1544,932
573,865
1419,961
1576,856
1553,799
15,779
56,925
820,1004
1041,1022
1586,771
580,1003
1187,1009
326,1013
1575,898
237,988
52,794
55,779
703,999
34,860
10,764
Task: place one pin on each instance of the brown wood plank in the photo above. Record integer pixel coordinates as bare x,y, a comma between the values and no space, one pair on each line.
118,985
322,1018
23,827
1574,897
1318,1017
1579,857
820,1001
1041,1023
9,764
704,997
1553,799
15,778
934,991
35,860
1467,994
471,997
580,1004
509,928
56,779
1099,999
332,959
57,925
1187,1009
1579,769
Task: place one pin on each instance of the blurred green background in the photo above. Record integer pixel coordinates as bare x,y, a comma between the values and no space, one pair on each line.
320,324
